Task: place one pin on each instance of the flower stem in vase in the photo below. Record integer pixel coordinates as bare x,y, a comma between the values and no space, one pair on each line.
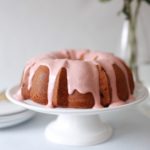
132,17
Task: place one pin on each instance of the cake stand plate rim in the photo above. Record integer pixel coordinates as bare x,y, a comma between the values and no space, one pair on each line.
140,94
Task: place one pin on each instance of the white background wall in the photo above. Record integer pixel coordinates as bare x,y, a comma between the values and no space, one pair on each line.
30,27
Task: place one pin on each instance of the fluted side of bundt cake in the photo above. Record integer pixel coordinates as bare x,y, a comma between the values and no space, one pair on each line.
77,79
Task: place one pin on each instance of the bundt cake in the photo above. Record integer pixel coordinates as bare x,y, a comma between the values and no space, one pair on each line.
77,79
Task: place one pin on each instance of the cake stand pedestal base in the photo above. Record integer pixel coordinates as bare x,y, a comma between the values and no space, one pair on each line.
79,127
78,130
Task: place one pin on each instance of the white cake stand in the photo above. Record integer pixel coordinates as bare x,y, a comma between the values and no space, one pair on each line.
77,126
145,106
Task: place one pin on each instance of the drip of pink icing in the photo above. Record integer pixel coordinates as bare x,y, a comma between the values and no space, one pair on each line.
18,95
122,67
106,60
81,75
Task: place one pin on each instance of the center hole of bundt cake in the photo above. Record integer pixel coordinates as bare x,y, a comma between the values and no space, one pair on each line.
74,59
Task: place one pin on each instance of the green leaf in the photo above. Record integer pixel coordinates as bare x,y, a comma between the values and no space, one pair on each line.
147,1
104,0
127,9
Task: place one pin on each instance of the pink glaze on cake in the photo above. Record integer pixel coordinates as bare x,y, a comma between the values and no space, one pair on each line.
82,72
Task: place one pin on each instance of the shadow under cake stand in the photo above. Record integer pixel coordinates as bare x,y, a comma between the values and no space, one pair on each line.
77,126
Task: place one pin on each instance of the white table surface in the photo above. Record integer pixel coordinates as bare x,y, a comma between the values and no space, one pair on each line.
131,132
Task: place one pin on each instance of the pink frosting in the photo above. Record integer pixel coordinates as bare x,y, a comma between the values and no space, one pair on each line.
82,75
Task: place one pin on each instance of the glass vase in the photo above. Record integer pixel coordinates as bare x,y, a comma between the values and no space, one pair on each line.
129,48
137,55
